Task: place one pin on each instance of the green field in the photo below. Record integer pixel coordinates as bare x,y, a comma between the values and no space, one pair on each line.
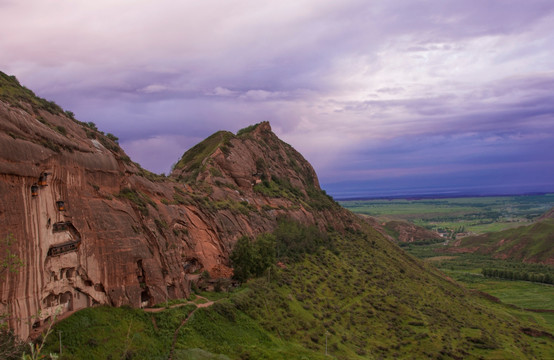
466,269
472,214
475,215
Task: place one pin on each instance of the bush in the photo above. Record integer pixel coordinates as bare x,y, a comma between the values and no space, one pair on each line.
247,130
70,114
141,200
11,347
294,240
113,138
91,125
61,130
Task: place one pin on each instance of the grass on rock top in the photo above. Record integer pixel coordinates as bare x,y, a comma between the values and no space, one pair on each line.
192,158
13,93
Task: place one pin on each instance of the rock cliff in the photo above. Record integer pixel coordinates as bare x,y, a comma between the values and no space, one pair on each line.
92,227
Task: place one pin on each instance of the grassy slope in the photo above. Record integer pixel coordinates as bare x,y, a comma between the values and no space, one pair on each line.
192,158
371,299
13,93
528,243
104,333
372,310
466,269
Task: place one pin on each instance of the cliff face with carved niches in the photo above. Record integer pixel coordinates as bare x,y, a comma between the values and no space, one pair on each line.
124,236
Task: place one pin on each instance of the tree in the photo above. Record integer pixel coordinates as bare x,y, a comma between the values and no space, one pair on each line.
242,259
264,252
252,258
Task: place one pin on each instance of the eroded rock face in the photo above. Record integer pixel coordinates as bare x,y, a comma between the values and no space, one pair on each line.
126,237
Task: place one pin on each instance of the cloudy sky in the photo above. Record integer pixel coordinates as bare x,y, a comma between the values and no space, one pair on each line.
382,97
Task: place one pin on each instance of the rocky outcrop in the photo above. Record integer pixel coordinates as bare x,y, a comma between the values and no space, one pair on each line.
92,227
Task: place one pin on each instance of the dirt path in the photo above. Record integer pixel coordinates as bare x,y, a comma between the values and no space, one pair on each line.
155,310
198,306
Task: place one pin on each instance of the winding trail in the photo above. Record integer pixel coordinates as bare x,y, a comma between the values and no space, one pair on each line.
208,303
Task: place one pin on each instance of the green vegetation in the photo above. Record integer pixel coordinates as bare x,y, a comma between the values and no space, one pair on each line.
11,347
519,275
236,207
473,263
252,258
108,144
354,292
291,241
467,268
113,138
141,200
370,310
161,225
61,130
282,188
319,200
527,243
475,215
294,241
247,130
150,175
192,159
12,92
70,114
104,332
277,188
179,196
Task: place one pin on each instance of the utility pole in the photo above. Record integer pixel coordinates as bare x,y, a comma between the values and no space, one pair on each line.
326,333
60,337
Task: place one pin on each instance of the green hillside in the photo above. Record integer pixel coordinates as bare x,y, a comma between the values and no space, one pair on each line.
532,243
359,296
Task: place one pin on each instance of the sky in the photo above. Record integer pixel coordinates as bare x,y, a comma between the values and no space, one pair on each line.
384,98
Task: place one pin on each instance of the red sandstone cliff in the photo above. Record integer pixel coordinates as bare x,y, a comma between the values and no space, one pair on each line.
126,236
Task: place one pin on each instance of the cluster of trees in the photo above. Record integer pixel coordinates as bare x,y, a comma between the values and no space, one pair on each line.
518,275
421,242
289,243
251,258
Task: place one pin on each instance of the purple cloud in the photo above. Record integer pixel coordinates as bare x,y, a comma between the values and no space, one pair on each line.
385,93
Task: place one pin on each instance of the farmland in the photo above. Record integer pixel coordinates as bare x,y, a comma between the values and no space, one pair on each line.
474,215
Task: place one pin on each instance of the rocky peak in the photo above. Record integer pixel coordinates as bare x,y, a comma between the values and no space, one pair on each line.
101,230
255,155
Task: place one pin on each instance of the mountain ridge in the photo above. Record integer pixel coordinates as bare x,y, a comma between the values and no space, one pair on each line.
141,236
